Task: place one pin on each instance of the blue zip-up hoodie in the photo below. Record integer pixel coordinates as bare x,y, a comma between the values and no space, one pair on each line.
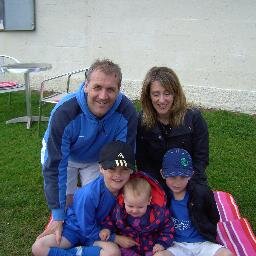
75,134
88,211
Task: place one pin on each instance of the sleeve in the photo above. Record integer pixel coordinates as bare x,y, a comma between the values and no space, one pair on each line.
211,208
200,143
166,234
128,125
142,157
110,223
57,143
85,205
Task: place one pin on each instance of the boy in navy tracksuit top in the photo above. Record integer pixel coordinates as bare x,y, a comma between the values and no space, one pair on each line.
92,203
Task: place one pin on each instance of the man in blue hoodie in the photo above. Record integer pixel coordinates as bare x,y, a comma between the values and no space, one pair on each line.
79,125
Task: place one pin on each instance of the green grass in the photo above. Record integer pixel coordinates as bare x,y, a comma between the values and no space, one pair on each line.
22,204
23,209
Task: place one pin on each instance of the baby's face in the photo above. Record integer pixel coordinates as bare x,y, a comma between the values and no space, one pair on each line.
136,206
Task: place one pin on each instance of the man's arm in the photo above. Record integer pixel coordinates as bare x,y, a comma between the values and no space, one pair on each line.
55,161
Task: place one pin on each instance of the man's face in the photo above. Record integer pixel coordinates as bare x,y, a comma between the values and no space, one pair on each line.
102,91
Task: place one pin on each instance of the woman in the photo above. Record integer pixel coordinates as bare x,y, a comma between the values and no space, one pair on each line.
167,122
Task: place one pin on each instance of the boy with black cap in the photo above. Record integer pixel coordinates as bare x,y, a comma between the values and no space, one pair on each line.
194,211
92,203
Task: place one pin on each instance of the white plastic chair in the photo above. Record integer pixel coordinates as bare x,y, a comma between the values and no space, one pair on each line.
52,94
6,84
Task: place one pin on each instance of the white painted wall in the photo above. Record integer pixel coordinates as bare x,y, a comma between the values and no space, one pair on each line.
209,43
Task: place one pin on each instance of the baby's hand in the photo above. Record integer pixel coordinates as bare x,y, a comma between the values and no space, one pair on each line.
125,241
157,248
104,234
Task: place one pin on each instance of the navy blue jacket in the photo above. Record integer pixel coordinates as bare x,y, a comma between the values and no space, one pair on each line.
202,210
153,143
75,134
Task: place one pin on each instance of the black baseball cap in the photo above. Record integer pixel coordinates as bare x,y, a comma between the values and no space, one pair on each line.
117,153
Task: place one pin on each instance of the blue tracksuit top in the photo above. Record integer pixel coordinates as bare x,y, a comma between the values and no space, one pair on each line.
75,134
92,203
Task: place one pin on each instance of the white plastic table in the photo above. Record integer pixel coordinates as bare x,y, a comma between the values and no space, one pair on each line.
26,68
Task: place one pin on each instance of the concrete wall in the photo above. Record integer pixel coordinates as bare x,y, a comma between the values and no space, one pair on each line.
210,44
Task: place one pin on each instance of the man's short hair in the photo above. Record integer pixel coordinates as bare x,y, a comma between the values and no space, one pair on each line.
107,67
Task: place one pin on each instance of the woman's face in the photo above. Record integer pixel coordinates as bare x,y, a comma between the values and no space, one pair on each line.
161,98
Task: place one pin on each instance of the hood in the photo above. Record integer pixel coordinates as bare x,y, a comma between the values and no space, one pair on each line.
81,96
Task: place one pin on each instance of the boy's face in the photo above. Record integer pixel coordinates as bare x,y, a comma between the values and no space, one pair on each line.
177,184
136,206
115,178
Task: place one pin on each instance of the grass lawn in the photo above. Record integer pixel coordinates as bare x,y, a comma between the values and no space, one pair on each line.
23,209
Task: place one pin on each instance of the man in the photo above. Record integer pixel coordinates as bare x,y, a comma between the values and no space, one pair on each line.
79,126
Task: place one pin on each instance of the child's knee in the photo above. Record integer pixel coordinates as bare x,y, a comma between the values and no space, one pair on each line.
163,253
114,250
42,245
38,248
33,249
111,250
224,252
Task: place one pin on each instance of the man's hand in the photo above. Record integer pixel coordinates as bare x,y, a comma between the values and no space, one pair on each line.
104,234
55,227
125,241
157,248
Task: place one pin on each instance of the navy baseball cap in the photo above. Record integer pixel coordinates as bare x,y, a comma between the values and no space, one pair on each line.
177,162
117,153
